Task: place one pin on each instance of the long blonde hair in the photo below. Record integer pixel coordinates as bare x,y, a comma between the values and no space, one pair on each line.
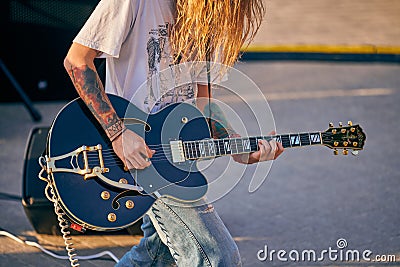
217,27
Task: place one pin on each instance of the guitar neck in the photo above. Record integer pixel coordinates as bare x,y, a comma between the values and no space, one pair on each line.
211,148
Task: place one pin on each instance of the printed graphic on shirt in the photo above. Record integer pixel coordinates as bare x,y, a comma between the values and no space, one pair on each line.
162,76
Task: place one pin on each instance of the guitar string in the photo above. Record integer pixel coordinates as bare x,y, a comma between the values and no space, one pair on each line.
195,149
113,159
168,151
110,158
230,139
190,150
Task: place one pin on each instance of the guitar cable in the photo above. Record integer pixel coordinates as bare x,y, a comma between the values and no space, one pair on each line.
54,255
64,225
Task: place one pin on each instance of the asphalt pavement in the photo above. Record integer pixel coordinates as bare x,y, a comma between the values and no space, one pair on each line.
310,198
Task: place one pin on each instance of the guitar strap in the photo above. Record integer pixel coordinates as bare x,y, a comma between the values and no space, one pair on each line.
208,60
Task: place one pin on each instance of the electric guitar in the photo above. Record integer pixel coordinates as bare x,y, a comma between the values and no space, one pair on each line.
96,192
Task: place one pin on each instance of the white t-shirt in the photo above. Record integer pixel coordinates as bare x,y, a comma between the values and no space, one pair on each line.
133,37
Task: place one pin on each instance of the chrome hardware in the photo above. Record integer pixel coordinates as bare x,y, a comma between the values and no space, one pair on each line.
335,152
350,123
97,172
87,172
184,120
340,124
345,152
129,204
330,125
105,195
354,152
177,151
112,217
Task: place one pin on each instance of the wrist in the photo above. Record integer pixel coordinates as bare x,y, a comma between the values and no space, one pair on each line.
115,130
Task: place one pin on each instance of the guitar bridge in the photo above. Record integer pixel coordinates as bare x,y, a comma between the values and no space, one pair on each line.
86,171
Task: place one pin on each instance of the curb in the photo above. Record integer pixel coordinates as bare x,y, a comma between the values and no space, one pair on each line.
355,53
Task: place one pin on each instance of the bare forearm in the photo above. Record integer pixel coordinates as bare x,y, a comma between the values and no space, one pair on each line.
90,89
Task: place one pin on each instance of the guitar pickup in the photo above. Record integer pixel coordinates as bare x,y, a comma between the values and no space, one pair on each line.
177,151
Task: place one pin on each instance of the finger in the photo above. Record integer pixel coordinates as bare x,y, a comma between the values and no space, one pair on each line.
274,147
131,164
149,152
126,164
141,162
268,151
263,150
138,160
280,149
142,157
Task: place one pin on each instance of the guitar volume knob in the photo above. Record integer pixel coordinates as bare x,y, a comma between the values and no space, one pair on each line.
129,204
112,217
105,195
123,181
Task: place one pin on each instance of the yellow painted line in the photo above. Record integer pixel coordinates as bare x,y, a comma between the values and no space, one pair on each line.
279,96
328,49
329,93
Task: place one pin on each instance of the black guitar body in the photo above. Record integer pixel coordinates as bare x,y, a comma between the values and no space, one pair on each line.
99,205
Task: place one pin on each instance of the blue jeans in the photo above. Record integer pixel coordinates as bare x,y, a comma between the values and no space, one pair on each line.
177,235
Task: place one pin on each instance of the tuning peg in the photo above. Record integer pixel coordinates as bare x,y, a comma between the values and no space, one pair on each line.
354,152
330,125
350,123
335,152
345,152
340,124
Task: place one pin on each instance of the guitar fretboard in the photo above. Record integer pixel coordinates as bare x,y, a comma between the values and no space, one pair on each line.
210,148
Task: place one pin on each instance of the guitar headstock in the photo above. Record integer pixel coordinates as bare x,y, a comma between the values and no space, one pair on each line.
344,137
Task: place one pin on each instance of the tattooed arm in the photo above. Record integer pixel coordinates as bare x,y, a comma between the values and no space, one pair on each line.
221,128
79,64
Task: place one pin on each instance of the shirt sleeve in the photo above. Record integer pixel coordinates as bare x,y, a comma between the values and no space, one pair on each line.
108,26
